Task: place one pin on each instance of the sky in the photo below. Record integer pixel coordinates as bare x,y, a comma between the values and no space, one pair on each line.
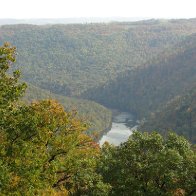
27,9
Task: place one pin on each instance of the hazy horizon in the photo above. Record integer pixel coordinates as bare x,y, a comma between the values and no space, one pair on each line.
81,20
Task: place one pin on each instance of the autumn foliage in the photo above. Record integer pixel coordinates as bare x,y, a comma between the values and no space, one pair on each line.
43,149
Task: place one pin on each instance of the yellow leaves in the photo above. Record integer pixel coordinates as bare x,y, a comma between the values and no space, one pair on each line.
14,181
50,113
52,106
53,192
46,140
17,162
52,119
85,142
7,55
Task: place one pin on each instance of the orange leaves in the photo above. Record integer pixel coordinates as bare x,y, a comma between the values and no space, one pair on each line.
179,192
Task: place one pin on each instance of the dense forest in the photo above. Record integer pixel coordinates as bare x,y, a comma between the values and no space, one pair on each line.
133,66
144,89
73,77
81,57
179,114
150,87
97,116
43,148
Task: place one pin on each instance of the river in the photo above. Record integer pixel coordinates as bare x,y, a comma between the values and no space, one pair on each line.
123,125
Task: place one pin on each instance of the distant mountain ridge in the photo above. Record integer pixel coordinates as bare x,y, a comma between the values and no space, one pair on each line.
162,91
152,85
72,59
83,20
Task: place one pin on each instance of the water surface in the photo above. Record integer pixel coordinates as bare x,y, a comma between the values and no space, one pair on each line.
122,127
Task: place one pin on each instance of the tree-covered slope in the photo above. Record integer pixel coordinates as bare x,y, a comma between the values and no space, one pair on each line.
98,117
163,91
44,150
147,88
42,147
179,114
137,67
71,59
148,164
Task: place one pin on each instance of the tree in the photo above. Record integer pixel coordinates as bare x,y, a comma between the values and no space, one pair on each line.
47,149
10,91
43,147
148,164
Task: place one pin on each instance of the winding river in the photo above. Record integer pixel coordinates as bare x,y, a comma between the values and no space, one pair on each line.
123,125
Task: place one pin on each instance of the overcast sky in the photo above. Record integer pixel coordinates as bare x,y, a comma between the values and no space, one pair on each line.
97,8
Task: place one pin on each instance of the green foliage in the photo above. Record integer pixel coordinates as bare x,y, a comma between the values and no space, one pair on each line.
137,67
151,86
42,147
162,92
72,59
10,91
45,148
147,164
179,114
97,116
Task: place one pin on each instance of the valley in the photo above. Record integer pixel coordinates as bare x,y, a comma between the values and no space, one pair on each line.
136,67
95,109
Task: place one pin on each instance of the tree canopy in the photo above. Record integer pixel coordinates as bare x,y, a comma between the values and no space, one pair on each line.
42,147
44,150
148,164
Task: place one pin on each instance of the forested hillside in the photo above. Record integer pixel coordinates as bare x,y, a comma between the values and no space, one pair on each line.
71,59
44,146
179,114
137,67
152,85
95,115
